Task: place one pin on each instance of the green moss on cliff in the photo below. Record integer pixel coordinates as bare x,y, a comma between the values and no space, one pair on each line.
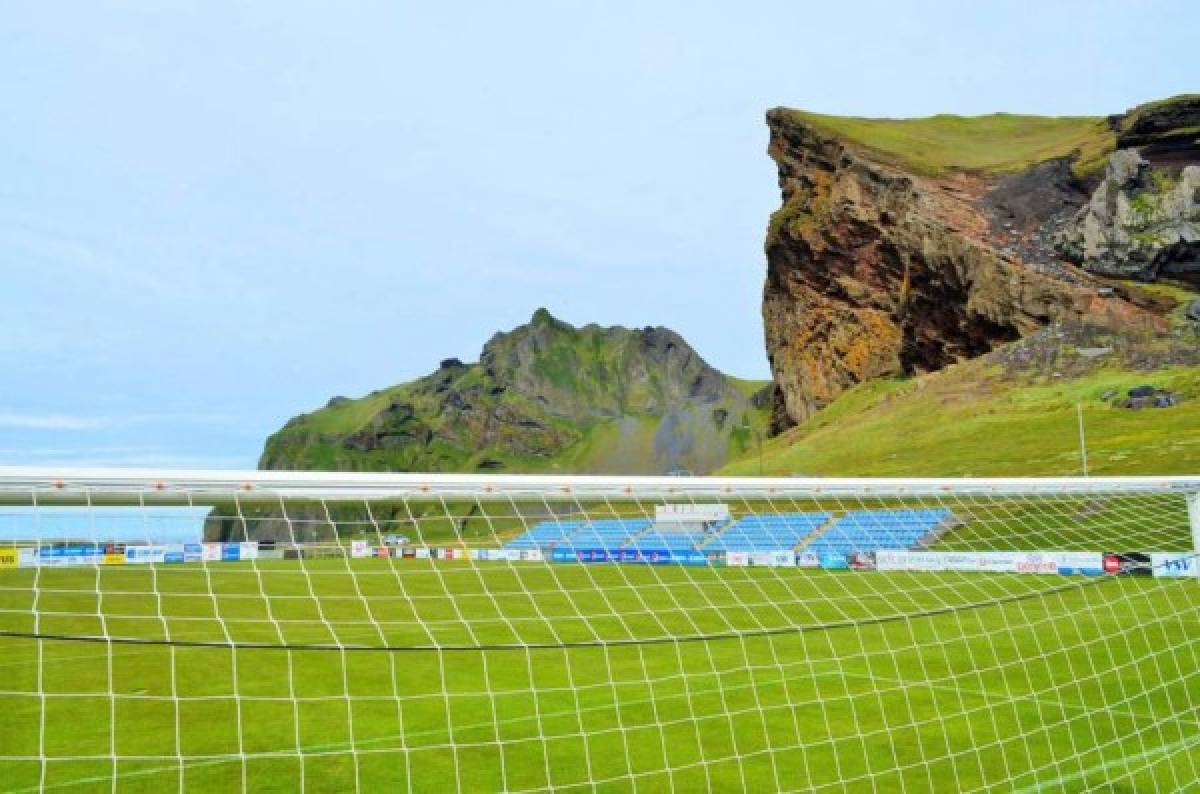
996,143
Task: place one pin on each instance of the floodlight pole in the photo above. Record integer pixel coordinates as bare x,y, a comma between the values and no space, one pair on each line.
1082,438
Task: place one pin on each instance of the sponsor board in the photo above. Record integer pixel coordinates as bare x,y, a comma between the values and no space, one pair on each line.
532,555
773,559
210,552
737,559
408,554
1044,562
10,558
67,555
141,555
248,550
1129,563
1175,566
231,552
114,559
359,549
807,559
863,560
193,552
422,553
383,552
834,562
173,557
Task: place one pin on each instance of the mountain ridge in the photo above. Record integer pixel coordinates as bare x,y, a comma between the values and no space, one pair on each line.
544,396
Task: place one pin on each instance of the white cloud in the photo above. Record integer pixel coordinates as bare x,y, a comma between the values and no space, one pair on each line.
54,422
74,422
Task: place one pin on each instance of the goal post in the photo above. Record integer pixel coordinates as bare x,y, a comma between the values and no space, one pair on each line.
228,630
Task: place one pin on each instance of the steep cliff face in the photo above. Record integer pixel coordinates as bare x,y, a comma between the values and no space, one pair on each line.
902,247
545,396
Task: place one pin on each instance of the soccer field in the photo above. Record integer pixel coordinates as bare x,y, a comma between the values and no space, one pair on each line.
632,678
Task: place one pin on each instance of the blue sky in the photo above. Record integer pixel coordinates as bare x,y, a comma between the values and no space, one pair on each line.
214,216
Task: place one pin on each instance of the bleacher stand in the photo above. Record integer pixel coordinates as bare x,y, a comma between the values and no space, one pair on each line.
545,535
776,532
872,530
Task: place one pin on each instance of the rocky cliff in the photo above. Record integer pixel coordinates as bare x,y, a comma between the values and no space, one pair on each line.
902,246
545,396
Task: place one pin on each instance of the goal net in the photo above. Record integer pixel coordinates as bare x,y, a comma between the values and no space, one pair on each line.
217,631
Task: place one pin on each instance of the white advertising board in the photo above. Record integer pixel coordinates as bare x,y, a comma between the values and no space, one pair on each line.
145,554
807,559
248,551
211,552
1052,562
1175,566
359,549
737,559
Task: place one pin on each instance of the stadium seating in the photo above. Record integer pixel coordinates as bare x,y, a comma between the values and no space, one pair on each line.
775,532
604,534
872,530
655,540
856,531
545,535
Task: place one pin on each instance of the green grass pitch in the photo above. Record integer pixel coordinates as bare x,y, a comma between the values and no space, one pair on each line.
899,682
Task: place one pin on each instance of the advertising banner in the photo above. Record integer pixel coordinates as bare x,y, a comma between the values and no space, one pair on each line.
807,559
358,549
1044,562
193,552
422,553
140,555
532,555
248,550
835,562
231,552
114,559
173,557
210,552
10,557
1130,563
737,559
1174,566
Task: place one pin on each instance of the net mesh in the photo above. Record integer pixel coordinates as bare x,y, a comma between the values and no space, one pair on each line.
343,632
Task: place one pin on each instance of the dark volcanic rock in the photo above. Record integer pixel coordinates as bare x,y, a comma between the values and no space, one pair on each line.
1161,122
873,271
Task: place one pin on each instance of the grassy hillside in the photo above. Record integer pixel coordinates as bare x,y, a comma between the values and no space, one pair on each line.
996,143
545,397
1012,412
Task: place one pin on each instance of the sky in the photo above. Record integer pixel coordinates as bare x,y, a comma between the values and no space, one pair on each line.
214,216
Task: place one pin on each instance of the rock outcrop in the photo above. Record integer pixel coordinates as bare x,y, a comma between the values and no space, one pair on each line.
874,270
1142,222
545,396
